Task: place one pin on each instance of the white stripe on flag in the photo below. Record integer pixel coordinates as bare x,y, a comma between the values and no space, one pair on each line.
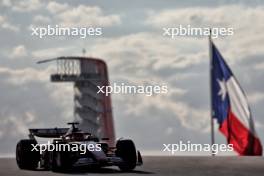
238,102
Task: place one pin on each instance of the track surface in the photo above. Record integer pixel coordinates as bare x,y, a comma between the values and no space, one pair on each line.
177,165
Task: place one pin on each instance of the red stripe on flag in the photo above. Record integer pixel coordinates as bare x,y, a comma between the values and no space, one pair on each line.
244,142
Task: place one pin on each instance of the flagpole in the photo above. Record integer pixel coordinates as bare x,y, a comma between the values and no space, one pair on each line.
210,87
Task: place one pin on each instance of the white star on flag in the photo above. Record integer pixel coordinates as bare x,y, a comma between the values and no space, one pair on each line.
223,91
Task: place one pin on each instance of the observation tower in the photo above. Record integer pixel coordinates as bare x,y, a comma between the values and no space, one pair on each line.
91,109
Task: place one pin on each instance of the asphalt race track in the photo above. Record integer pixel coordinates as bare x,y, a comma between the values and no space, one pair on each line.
176,165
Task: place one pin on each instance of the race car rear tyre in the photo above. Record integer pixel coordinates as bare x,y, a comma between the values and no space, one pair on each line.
60,161
126,150
25,157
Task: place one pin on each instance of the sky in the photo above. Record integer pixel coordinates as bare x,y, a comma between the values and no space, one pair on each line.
137,53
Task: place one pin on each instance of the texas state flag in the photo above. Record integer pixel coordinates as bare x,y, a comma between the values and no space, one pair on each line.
231,109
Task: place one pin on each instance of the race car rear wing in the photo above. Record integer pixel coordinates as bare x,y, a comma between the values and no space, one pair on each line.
48,132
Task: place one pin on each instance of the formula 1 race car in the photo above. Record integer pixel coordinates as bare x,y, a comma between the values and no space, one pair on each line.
72,148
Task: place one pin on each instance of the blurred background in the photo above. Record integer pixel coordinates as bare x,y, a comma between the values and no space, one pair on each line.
136,53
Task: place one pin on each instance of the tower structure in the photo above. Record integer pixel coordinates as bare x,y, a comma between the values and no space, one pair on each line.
91,109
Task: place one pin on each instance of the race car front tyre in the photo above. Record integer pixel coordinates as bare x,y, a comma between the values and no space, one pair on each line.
46,160
26,156
60,161
126,150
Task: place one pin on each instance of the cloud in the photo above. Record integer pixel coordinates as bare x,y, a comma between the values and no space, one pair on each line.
132,55
55,7
149,50
206,16
31,101
23,5
19,52
62,95
132,59
24,76
189,117
256,97
53,52
6,3
41,19
136,58
217,17
259,125
148,58
5,24
259,66
18,124
81,15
